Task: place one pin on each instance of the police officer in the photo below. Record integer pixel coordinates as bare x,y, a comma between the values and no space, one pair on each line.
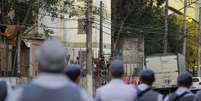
51,84
73,72
116,89
144,90
183,92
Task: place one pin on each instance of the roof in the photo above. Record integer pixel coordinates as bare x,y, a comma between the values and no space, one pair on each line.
12,30
177,6
179,12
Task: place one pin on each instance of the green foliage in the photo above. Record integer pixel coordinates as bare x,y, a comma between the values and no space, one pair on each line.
27,12
143,17
147,17
39,9
192,41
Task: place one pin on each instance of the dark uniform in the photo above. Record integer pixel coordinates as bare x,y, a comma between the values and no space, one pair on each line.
183,92
144,90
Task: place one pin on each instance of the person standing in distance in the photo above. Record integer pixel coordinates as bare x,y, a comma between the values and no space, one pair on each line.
183,93
116,89
144,89
51,84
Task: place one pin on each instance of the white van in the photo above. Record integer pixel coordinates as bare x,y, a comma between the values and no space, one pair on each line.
196,83
167,68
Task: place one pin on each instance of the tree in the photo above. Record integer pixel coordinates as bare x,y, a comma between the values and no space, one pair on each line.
147,17
192,40
133,17
27,12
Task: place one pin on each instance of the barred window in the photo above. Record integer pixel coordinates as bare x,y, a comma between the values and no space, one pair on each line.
80,0
81,24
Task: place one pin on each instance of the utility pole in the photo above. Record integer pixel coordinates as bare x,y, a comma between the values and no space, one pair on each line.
101,30
199,43
165,38
19,39
19,36
184,28
89,64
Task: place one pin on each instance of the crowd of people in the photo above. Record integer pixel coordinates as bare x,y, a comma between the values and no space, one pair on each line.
58,81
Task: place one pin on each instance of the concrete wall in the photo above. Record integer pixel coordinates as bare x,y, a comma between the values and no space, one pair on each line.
133,55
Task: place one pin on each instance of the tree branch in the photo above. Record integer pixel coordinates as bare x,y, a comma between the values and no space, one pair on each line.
27,14
120,30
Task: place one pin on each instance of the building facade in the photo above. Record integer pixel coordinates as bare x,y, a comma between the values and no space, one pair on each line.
179,5
71,30
198,10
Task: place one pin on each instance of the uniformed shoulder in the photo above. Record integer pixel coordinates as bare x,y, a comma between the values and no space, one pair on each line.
190,94
172,96
130,88
155,92
85,96
188,97
105,88
198,96
74,86
15,95
198,93
102,88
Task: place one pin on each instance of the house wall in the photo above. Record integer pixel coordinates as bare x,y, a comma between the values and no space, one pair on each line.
33,70
6,57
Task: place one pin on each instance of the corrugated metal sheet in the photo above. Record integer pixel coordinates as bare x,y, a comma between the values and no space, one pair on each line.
133,55
28,61
6,57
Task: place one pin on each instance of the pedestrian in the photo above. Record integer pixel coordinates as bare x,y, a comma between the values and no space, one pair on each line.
116,89
51,84
144,89
73,72
183,93
77,60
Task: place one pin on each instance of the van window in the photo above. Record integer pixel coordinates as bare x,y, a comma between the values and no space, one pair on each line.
195,80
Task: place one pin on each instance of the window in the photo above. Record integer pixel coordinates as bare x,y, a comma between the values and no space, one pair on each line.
80,0
81,24
195,80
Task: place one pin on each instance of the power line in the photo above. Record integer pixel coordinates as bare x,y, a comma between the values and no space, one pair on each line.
158,27
102,25
154,31
49,15
42,26
57,27
141,26
186,6
103,31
